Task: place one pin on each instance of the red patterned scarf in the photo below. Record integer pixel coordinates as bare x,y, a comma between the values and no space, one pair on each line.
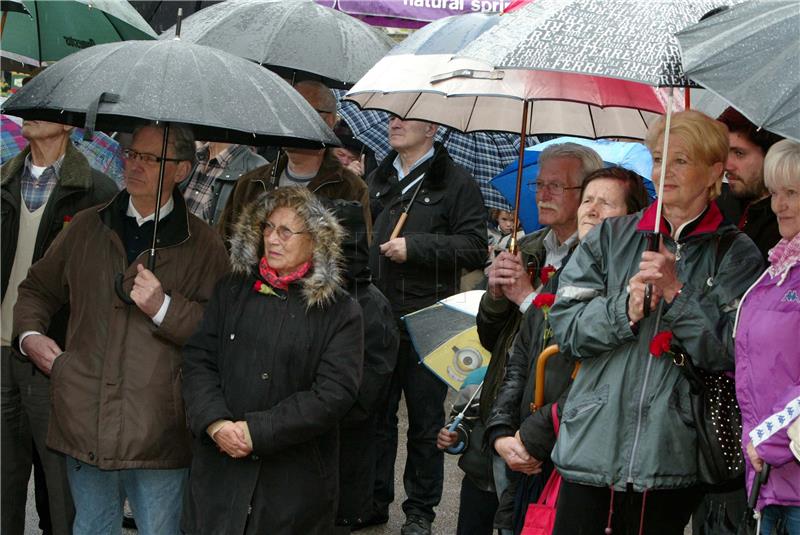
281,282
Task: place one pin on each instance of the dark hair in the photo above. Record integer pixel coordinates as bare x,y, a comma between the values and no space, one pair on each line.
739,124
636,196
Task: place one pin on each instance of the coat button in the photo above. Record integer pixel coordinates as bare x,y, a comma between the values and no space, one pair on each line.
233,336
254,457
265,376
427,199
378,194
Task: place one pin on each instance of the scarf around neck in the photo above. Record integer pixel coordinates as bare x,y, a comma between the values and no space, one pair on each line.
278,281
783,257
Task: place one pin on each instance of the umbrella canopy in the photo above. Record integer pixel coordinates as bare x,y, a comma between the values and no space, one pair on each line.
288,37
56,29
230,99
419,79
446,338
483,154
633,156
13,5
625,39
748,55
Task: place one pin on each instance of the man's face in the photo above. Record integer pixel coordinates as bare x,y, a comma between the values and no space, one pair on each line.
35,131
405,135
745,168
141,178
558,208
326,113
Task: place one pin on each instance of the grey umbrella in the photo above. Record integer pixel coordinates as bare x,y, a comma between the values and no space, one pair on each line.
118,86
290,37
750,56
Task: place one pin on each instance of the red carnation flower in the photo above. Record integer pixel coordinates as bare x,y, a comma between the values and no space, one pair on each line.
546,273
544,300
67,218
257,286
661,343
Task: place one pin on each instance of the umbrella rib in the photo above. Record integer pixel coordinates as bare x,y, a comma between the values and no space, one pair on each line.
38,38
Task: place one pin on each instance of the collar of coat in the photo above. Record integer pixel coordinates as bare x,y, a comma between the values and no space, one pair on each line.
75,171
323,282
708,222
435,176
171,231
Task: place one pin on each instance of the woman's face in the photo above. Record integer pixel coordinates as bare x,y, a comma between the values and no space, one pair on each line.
286,253
786,205
602,198
687,180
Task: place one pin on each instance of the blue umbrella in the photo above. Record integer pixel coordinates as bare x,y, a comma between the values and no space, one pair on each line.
633,156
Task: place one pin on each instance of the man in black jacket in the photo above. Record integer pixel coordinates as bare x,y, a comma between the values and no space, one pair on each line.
42,188
445,231
744,170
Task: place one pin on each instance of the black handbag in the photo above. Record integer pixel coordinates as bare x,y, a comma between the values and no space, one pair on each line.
718,422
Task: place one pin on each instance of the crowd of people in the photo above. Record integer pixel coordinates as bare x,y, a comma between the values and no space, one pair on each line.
249,380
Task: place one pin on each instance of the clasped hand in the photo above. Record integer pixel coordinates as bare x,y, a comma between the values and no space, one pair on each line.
508,278
656,268
231,438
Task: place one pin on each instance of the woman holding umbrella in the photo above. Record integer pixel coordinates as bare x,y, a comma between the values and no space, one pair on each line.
767,363
275,365
627,447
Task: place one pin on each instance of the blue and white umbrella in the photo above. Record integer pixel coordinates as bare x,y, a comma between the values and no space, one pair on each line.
633,156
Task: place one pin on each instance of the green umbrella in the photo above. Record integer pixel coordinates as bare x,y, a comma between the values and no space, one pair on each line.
57,28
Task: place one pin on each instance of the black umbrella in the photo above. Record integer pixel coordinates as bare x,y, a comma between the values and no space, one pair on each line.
119,86
13,5
292,38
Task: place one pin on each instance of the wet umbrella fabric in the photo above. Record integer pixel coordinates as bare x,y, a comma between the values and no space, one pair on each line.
483,154
633,156
446,338
52,30
289,37
748,55
229,99
625,39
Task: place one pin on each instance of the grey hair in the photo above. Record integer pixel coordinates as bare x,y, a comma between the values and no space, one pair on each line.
181,137
782,165
590,160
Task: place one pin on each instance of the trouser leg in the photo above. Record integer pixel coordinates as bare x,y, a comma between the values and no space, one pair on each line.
386,444
476,509
98,497
16,445
156,497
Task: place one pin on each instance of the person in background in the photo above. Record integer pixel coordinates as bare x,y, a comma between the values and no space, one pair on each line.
500,229
767,363
628,407
214,176
43,187
273,368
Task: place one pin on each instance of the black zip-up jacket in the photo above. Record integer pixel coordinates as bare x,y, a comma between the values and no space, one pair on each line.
79,186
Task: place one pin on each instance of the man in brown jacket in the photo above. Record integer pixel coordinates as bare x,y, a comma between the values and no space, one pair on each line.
117,412
317,169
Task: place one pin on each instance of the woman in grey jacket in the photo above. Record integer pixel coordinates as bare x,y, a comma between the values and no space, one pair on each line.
627,446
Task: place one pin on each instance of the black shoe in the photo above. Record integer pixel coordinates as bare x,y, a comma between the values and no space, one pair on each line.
416,525
373,519
127,521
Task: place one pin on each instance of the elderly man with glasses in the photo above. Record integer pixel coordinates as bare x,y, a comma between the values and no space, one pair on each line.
316,169
116,384
514,279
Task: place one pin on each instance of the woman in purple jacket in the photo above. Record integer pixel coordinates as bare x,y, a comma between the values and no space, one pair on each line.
768,351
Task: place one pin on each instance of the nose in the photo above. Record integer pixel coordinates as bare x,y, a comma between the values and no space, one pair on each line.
395,122
591,208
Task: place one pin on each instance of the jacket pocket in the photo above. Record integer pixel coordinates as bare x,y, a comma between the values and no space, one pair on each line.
581,405
587,436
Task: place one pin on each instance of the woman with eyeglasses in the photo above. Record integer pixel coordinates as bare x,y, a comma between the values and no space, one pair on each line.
274,366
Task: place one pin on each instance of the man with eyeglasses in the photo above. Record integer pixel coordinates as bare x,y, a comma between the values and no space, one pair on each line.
115,387
42,189
316,169
514,280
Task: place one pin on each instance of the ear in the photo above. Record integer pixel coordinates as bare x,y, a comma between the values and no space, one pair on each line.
717,170
431,130
184,167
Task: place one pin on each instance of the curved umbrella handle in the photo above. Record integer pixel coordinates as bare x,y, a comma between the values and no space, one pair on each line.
541,362
457,448
120,291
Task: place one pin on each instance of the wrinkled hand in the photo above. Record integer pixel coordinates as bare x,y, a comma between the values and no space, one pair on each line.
636,289
230,439
755,460
445,439
147,292
513,452
658,268
395,250
356,166
508,278
42,351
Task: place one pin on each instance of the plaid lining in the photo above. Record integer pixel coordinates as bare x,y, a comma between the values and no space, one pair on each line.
36,191
199,193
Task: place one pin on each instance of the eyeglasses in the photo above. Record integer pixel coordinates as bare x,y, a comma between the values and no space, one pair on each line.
284,233
130,154
553,188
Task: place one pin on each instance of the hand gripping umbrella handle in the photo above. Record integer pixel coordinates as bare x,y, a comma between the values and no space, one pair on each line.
653,240
401,221
457,448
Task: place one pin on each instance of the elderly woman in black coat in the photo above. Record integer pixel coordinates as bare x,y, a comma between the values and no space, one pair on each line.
274,366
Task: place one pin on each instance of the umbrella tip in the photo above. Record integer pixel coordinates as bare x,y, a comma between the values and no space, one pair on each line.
178,24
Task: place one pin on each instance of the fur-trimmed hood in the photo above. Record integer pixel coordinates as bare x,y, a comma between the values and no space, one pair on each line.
324,280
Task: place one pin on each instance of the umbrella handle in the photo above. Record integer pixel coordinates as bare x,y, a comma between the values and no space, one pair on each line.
761,478
398,228
457,448
652,245
120,291
541,363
